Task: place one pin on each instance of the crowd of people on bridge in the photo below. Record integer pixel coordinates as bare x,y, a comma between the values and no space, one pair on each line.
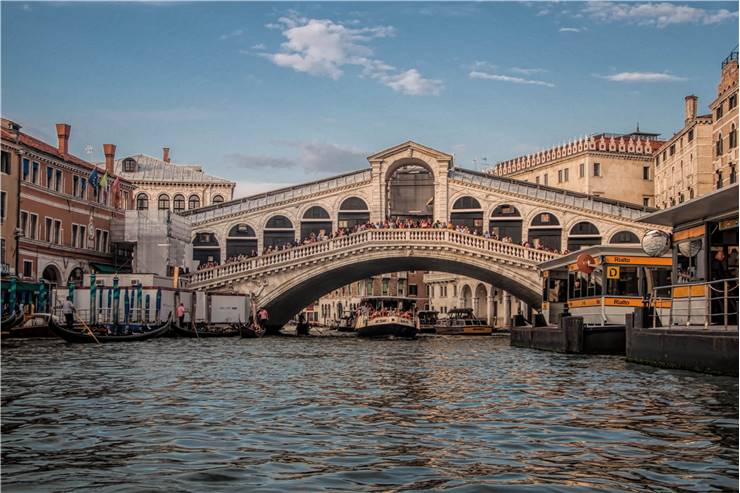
387,224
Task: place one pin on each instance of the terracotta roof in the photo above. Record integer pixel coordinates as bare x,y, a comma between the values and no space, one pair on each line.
154,169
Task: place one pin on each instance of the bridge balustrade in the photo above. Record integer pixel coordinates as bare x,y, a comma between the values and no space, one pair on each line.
394,237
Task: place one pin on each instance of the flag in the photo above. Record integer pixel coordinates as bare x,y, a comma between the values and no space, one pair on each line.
116,191
104,181
92,180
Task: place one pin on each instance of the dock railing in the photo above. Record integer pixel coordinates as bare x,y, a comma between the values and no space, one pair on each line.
708,304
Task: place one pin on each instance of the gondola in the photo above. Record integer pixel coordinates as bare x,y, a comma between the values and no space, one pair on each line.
102,332
203,330
250,331
12,320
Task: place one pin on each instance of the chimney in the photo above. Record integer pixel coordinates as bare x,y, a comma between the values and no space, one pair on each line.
690,108
63,130
166,154
110,154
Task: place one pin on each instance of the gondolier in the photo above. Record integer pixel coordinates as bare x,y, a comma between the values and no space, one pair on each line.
68,310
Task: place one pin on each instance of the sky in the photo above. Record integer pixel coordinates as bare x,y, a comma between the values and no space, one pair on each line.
274,94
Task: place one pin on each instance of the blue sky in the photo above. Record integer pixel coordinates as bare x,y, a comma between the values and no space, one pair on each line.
270,94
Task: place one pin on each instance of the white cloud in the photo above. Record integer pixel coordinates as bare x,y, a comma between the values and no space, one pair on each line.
232,34
313,157
642,77
660,15
259,47
569,30
507,78
322,47
528,71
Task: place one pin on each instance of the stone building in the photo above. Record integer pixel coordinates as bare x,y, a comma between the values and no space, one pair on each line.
163,185
615,166
683,164
346,299
724,124
63,224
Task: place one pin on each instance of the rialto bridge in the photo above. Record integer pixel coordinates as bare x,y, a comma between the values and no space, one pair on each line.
405,181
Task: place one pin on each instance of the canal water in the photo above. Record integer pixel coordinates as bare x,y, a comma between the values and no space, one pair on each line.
342,414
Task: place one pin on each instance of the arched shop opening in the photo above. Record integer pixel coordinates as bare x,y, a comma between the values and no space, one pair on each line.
410,193
206,248
582,235
76,277
506,221
52,275
241,240
466,211
624,237
278,231
352,212
545,230
315,221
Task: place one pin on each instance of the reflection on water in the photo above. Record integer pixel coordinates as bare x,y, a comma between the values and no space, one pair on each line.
347,414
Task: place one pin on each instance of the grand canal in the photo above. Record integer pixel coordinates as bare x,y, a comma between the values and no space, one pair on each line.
342,414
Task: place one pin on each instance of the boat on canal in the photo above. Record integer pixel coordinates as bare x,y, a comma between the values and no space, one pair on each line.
463,322
11,321
426,321
204,330
110,332
249,331
386,316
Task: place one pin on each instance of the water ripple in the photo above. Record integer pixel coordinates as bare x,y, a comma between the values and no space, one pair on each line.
342,414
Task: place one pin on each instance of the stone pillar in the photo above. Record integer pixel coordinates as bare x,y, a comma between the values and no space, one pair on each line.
474,302
441,192
490,321
377,193
507,309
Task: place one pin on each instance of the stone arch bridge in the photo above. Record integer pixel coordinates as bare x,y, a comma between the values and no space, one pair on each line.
405,181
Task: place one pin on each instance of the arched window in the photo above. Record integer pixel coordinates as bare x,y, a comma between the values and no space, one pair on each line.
506,222
242,240
142,202
163,203
582,235
193,202
719,148
178,203
129,165
545,231
278,231
733,137
206,248
315,221
624,237
467,212
352,212
217,199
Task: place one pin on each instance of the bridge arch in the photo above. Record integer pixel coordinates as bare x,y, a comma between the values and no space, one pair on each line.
352,210
241,239
277,231
314,219
624,236
545,228
505,220
583,234
467,211
206,247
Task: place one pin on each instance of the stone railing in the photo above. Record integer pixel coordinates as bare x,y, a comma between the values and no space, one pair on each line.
393,238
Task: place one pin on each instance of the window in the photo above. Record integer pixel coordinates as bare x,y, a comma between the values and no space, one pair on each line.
626,285
690,262
545,178
57,232
142,202
369,287
673,149
217,199
720,111
35,173
163,203
560,176
27,268
24,222
582,170
646,172
26,169
193,202
565,174
413,290
691,135
733,137
83,187
33,226
76,185
718,147
48,226
178,203
537,180
104,244
83,236
58,183
384,291
732,101
719,179
3,205
646,201
597,169
74,237
5,163
129,165
733,174
98,238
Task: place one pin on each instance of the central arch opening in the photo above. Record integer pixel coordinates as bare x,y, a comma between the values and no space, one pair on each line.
410,192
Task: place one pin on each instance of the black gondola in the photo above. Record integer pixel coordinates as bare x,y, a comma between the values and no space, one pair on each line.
102,332
12,320
203,330
250,331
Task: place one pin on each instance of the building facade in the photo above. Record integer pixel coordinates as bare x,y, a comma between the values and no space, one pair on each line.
55,225
683,164
164,185
616,166
724,125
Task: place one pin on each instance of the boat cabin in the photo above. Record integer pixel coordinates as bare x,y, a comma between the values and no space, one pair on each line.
601,283
426,320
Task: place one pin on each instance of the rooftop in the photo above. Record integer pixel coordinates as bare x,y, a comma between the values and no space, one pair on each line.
150,168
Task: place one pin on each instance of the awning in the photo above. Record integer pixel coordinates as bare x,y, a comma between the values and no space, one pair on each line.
706,207
103,268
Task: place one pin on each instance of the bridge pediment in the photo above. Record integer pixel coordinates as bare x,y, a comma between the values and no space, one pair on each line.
410,149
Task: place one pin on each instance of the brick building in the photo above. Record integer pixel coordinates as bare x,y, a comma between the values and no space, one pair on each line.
724,124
